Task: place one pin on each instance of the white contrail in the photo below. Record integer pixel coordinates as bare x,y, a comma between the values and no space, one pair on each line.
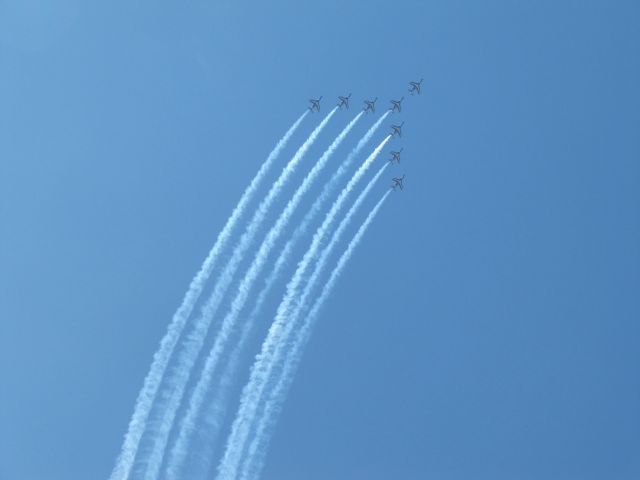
149,390
259,372
180,449
257,451
217,406
176,384
218,403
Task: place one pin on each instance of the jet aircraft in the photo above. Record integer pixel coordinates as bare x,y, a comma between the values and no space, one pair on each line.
414,87
370,105
398,182
396,105
395,156
397,129
344,101
315,104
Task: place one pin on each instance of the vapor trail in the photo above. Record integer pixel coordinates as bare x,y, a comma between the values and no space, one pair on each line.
284,361
261,368
218,403
151,384
257,450
193,344
180,449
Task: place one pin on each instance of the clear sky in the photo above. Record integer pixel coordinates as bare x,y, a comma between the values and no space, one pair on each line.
487,328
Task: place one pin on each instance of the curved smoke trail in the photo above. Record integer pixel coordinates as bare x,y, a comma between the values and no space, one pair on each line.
147,394
188,424
260,371
176,384
217,408
278,387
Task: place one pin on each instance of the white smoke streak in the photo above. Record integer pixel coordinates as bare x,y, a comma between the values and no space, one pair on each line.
260,371
176,384
147,394
188,424
217,409
277,393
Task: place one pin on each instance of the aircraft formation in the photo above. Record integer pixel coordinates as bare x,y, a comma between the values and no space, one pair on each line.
370,106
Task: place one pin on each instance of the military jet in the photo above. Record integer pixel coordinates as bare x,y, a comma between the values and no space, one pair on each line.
395,156
344,101
414,87
315,104
397,129
396,105
398,182
370,105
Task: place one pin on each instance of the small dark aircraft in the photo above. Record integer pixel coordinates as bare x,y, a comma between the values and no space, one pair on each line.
414,87
397,129
344,101
370,105
315,104
395,156
396,105
398,182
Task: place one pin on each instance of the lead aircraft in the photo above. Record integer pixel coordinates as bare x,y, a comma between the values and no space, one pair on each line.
414,87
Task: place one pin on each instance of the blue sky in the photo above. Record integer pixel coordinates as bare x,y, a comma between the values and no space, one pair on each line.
486,328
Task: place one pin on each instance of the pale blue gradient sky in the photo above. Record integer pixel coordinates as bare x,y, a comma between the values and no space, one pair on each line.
487,328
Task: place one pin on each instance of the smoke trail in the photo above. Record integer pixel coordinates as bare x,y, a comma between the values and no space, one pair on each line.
257,451
302,301
260,370
151,384
218,403
194,341
179,451
217,406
